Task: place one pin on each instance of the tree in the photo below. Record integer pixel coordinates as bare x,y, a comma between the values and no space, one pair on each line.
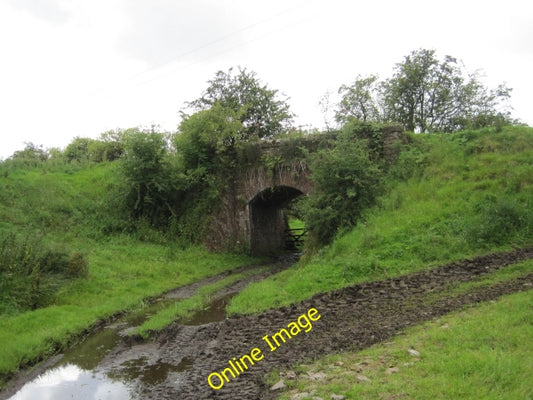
32,152
79,149
262,113
148,177
426,94
359,100
205,140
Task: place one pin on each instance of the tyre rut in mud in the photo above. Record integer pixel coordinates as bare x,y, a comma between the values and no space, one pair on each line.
351,318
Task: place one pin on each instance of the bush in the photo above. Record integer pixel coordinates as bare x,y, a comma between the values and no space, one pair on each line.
346,181
498,221
148,178
78,150
30,273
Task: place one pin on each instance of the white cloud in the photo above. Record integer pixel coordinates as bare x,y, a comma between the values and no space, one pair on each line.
54,12
166,30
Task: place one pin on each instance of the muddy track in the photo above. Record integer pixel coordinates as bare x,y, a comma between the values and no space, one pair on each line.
351,318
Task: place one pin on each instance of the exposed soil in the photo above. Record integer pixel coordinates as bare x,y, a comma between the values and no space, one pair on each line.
352,318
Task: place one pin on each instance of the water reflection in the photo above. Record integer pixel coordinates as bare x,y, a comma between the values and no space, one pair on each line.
216,311
74,377
71,382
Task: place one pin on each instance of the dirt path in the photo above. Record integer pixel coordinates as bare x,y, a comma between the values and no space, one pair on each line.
351,318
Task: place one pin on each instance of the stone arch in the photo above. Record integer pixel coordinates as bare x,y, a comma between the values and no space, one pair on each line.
268,222
253,189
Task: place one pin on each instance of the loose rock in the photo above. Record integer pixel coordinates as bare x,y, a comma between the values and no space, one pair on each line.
316,376
413,352
392,370
278,386
337,397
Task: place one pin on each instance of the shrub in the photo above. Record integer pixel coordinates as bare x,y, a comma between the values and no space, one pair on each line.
147,177
346,181
78,150
498,220
30,273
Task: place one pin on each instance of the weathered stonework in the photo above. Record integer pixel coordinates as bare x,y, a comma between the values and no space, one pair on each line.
250,216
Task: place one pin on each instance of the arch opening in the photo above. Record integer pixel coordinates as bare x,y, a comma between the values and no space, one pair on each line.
268,219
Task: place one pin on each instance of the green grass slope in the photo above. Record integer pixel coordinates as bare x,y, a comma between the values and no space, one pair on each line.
70,208
449,197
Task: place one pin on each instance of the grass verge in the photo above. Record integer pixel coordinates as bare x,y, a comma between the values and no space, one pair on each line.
483,352
506,274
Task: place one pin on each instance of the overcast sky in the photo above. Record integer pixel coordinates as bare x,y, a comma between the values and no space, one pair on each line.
78,68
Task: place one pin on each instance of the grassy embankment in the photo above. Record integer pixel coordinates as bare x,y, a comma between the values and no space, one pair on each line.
450,197
65,205
479,353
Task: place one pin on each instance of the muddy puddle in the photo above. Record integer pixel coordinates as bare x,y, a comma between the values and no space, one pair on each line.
215,312
76,375
79,375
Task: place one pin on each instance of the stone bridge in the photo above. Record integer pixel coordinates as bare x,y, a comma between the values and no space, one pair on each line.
251,215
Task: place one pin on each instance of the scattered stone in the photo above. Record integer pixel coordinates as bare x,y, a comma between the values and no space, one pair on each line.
337,397
316,376
445,326
278,386
359,366
362,378
392,370
289,375
413,352
339,363
300,396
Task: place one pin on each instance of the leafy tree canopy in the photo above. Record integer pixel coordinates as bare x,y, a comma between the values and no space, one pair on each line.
425,94
261,111
205,139
147,176
359,100
31,152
